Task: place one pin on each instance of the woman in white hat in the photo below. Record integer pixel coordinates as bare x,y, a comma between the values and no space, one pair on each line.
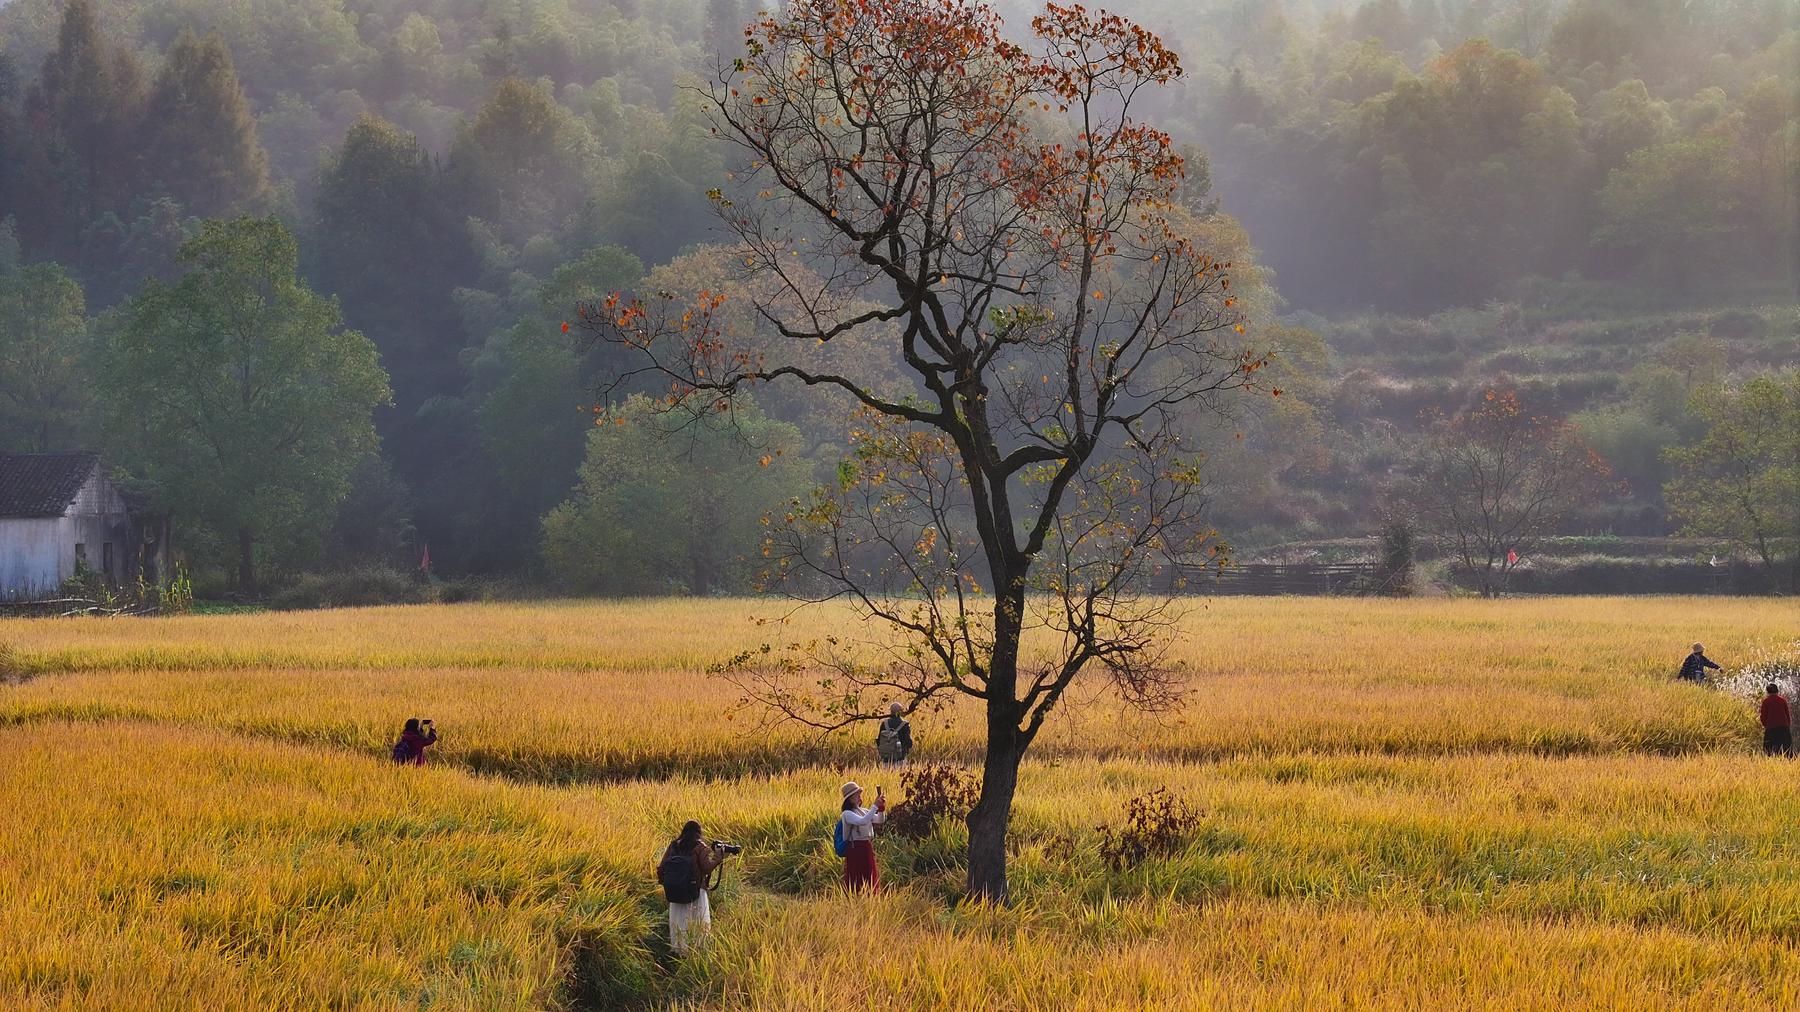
859,838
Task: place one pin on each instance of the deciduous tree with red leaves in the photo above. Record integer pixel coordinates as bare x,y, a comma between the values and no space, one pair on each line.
994,211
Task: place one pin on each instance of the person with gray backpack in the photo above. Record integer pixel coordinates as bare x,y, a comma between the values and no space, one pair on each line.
893,739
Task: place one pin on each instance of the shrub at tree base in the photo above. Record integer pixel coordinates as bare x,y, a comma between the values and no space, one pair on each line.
1157,824
933,791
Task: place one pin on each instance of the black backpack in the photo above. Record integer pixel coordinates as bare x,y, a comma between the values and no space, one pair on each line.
680,876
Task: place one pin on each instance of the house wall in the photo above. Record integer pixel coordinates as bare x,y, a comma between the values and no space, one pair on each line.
38,554
97,497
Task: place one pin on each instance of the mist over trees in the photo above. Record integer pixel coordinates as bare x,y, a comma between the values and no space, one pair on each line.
1423,198
1415,156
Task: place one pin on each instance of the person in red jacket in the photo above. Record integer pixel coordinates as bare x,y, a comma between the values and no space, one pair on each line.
1777,722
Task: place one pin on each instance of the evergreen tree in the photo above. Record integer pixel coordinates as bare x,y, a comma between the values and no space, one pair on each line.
122,251
389,245
82,110
536,387
200,135
522,165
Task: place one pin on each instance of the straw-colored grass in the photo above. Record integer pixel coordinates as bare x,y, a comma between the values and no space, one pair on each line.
1404,805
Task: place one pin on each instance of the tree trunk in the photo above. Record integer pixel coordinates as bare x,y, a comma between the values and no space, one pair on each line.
246,562
700,568
991,818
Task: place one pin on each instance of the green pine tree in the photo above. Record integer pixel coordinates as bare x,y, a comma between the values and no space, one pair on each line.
200,135
82,109
388,243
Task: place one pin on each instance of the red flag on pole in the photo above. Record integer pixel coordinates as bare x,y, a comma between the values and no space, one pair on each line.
425,559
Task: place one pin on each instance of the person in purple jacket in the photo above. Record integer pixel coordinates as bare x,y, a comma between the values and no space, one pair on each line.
417,736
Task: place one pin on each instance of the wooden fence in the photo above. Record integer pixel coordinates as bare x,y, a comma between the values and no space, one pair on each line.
1266,579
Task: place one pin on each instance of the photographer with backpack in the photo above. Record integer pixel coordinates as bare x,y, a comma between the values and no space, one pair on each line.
893,739
687,864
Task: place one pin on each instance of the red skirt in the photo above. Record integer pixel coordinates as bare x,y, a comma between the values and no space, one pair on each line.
859,867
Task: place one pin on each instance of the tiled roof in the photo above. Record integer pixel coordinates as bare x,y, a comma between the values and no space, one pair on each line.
42,484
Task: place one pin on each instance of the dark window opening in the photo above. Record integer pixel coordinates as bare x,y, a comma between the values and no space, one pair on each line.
80,556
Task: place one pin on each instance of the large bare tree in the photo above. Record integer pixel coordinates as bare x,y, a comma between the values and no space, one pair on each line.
1496,479
997,211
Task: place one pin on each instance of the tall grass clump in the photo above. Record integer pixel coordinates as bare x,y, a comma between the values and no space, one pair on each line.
1777,665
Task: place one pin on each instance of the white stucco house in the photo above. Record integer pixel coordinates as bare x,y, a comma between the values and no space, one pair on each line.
59,511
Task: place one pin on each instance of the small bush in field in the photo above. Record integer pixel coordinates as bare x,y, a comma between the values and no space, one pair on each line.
1156,825
932,791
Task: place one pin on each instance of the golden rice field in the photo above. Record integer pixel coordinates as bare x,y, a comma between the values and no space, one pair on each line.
1407,805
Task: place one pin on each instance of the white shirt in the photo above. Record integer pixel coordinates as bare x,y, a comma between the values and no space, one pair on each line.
860,823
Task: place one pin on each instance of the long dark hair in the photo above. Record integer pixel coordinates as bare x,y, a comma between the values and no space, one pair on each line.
689,838
847,804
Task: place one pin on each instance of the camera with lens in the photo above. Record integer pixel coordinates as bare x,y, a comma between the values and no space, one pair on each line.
726,848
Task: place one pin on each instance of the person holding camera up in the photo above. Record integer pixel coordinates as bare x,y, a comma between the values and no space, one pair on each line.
417,736
856,836
687,864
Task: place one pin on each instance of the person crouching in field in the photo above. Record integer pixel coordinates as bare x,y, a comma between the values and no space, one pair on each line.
1693,668
857,826
1777,722
686,865
415,738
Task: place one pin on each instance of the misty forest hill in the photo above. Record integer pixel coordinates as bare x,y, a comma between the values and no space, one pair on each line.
1594,200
